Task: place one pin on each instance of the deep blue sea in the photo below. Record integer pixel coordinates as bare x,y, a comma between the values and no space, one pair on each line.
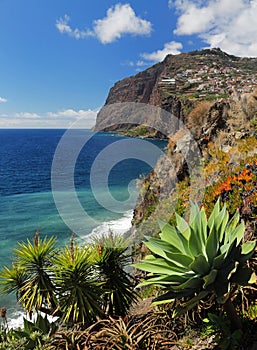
106,163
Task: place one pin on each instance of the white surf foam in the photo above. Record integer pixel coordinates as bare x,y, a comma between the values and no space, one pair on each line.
119,226
15,319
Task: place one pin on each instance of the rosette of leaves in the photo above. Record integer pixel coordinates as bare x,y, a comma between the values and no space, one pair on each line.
199,257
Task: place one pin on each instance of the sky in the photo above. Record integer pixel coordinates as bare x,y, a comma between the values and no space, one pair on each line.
59,58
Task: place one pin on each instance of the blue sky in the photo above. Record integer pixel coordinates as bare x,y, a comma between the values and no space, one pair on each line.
59,58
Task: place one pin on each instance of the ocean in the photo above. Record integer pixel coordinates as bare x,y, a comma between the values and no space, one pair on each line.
38,185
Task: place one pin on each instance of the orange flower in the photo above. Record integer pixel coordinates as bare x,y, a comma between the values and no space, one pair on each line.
226,186
245,176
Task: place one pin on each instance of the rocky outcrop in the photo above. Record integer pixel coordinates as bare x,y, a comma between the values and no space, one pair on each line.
176,85
164,102
223,123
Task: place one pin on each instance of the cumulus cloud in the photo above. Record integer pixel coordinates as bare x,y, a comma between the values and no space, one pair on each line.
2,100
172,47
228,24
120,20
60,119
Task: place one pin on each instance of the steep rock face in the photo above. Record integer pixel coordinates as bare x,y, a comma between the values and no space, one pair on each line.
210,94
223,123
138,88
177,84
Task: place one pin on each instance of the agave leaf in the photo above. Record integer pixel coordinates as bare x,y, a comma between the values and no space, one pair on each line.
212,244
192,283
224,249
200,265
170,235
194,212
204,223
196,240
170,294
190,304
157,246
161,302
248,247
181,259
237,234
159,267
247,251
231,226
218,261
223,218
221,284
210,278
183,226
214,213
176,265
172,279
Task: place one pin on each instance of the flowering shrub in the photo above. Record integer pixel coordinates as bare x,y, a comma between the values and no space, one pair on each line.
238,189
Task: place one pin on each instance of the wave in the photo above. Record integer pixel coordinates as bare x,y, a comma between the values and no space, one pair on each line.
118,226
15,320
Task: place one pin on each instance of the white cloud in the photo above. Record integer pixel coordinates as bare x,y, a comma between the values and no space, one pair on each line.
26,115
228,24
64,28
2,100
120,20
172,47
60,119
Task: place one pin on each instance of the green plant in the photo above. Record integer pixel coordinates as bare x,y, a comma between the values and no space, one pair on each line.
151,331
204,256
77,288
30,277
32,336
220,326
77,284
109,254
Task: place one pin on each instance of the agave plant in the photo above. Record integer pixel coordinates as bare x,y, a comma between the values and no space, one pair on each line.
200,257
110,257
138,332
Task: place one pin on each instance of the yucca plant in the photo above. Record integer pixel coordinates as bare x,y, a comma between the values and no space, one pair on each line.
13,279
77,288
30,275
110,257
201,257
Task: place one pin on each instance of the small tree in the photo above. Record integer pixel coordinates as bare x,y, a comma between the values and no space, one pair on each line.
30,275
201,257
78,290
111,258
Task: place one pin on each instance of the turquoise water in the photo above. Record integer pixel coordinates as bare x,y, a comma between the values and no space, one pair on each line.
27,203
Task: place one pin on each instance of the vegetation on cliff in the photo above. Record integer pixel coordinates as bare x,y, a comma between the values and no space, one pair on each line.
201,262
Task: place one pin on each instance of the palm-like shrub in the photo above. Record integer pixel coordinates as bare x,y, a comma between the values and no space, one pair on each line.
200,257
110,258
30,275
77,287
77,284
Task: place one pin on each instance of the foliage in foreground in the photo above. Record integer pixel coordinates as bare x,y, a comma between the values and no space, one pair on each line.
150,331
32,336
202,257
77,284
